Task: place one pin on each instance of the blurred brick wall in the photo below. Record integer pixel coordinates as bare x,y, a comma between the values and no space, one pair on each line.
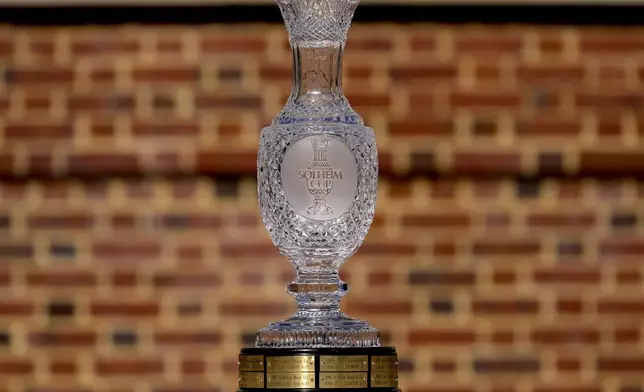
506,253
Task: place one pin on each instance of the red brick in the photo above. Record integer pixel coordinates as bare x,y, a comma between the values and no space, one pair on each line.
123,221
369,44
246,250
105,45
570,306
16,308
388,307
544,127
615,163
559,336
64,338
227,162
35,131
369,101
358,71
437,220
502,337
483,189
620,307
399,189
620,364
423,73
74,221
124,278
445,249
273,72
443,189
441,337
607,99
193,366
425,42
61,279
178,338
188,129
612,74
504,277
129,366
6,167
380,278
170,45
488,73
481,99
568,364
482,163
551,73
189,253
491,42
609,126
78,103
567,276
36,100
431,128
444,366
118,250
102,75
252,278
63,367
185,74
421,104
6,47
103,163
388,249
228,101
15,367
40,164
625,276
5,278
229,44
505,307
258,308
507,247
184,280
553,388
42,47
43,76
551,45
622,247
621,43
626,336
124,309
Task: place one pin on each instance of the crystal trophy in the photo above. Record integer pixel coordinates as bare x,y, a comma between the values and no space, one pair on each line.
317,182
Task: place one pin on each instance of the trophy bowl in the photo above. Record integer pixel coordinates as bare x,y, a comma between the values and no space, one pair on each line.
317,172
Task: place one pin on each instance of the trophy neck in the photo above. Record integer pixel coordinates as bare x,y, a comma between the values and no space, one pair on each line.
317,95
317,72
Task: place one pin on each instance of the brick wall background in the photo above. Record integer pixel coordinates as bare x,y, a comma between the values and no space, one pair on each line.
506,253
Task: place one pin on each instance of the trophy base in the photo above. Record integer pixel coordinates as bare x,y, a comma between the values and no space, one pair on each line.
318,330
360,369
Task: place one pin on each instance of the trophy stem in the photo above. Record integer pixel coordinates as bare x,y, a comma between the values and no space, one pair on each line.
318,291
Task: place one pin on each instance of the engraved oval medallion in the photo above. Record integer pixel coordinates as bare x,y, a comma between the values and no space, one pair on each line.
319,177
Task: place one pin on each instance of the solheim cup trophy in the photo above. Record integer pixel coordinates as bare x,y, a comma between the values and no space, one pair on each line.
317,181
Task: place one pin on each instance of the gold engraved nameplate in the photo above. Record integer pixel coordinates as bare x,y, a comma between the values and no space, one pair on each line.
291,380
384,363
384,380
251,380
251,363
344,380
294,364
344,363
